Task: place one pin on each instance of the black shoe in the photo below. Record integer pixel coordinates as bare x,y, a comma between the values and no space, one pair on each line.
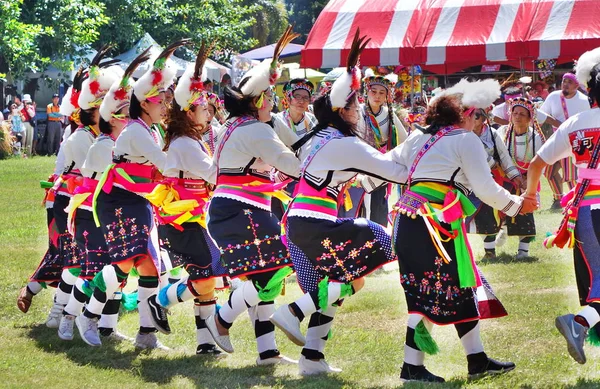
480,366
418,373
556,206
208,349
158,314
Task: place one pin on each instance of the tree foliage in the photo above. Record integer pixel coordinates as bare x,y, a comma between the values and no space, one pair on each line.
303,14
271,20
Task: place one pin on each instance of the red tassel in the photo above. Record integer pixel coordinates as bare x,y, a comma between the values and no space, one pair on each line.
94,87
156,77
355,80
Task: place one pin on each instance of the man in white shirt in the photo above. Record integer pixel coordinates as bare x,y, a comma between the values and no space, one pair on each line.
500,111
563,104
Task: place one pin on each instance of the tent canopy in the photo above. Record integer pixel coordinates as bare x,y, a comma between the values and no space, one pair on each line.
454,33
214,71
265,52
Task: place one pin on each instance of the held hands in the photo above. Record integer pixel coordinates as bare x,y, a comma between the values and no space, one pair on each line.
530,204
520,182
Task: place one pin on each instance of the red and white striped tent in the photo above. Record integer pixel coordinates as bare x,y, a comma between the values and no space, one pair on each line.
453,34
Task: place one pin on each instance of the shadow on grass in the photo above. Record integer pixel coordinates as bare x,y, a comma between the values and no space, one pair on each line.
454,383
506,259
162,367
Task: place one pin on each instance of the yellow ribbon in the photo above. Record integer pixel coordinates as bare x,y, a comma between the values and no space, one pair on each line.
75,203
167,200
347,200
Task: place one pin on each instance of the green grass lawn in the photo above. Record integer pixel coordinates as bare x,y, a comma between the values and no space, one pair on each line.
368,334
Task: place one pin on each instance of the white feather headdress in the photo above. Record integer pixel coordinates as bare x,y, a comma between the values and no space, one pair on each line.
585,64
119,94
66,108
160,76
95,88
264,75
190,89
478,94
349,82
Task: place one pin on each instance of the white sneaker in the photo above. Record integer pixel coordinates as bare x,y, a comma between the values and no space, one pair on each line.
522,254
53,320
65,329
117,336
308,367
278,360
501,238
222,341
149,341
289,324
88,330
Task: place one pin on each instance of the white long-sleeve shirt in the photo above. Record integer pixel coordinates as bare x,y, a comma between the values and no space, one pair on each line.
76,148
187,156
341,159
98,157
254,148
307,122
457,157
137,144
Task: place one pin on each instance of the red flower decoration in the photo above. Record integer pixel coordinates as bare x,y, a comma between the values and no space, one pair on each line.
156,77
94,87
355,80
121,94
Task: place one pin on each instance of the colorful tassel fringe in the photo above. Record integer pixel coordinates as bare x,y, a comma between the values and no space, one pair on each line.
275,285
424,341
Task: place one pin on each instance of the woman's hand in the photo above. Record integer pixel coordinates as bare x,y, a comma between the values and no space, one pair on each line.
530,204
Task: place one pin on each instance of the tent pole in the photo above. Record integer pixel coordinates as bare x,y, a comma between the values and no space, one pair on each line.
522,63
412,88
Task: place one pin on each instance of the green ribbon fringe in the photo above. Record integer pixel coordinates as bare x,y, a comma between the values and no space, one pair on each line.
98,281
129,301
323,288
134,272
75,271
275,285
593,336
176,271
424,341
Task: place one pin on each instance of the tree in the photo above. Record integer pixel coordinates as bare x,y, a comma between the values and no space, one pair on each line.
303,14
222,22
18,51
271,20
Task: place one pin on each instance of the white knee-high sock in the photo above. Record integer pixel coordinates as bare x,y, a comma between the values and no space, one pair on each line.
242,298
590,314
413,355
77,299
65,287
319,326
202,311
110,313
471,341
264,330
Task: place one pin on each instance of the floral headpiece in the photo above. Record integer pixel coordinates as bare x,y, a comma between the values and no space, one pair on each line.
388,81
293,85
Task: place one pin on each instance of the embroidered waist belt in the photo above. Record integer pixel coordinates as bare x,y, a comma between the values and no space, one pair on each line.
439,203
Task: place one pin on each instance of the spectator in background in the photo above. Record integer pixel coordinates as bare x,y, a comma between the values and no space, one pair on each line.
28,114
208,85
54,126
540,90
225,81
16,126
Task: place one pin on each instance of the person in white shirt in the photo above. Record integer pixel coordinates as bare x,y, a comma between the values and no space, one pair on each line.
501,114
297,95
189,173
384,131
240,219
578,137
120,207
563,104
523,141
486,220
445,162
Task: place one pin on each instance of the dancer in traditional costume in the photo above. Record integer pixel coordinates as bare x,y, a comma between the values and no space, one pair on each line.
75,149
297,96
578,137
49,270
124,214
437,269
563,104
180,203
523,138
240,219
113,112
93,90
487,220
331,256
384,131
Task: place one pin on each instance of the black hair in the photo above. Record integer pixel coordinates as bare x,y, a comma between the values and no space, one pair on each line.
236,103
444,111
105,126
135,108
594,84
327,117
86,116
